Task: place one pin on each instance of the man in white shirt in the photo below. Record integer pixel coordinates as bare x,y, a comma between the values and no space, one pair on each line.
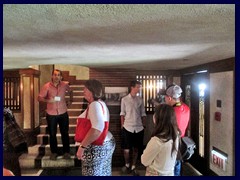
133,117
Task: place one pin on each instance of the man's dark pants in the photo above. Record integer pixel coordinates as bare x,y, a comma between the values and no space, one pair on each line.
63,121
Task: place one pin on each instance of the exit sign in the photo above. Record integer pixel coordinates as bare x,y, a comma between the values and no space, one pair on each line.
219,160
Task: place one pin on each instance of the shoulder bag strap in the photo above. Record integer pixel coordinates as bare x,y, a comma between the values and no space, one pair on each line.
88,109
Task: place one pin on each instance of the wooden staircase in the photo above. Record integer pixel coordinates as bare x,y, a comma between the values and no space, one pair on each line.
38,156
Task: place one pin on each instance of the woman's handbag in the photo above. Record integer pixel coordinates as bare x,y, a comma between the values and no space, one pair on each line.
187,147
84,125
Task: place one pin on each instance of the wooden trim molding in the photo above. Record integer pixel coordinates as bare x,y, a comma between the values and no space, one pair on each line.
213,67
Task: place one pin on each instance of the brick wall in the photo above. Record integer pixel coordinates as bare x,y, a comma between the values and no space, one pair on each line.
113,77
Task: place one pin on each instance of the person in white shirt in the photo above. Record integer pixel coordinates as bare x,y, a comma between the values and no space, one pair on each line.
96,157
133,117
159,157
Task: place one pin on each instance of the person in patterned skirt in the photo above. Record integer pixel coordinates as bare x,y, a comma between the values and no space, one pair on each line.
96,158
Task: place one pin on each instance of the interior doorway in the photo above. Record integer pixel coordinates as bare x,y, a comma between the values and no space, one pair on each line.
196,96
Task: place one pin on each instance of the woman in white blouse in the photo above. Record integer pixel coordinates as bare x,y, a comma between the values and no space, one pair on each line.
160,154
96,154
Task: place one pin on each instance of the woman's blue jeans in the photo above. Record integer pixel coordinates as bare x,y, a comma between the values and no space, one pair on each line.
177,168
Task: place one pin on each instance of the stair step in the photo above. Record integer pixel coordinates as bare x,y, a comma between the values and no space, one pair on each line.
44,139
75,112
31,172
75,98
77,93
77,87
34,150
78,105
60,162
37,162
27,161
45,149
44,129
72,120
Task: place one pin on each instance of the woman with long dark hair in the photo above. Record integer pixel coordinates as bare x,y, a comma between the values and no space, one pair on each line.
160,154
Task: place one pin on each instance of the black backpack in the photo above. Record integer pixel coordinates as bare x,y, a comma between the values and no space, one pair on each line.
187,147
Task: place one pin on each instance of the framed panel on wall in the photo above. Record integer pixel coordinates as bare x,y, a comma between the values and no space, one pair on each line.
114,95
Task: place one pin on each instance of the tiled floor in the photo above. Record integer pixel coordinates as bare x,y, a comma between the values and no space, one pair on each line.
187,170
116,171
